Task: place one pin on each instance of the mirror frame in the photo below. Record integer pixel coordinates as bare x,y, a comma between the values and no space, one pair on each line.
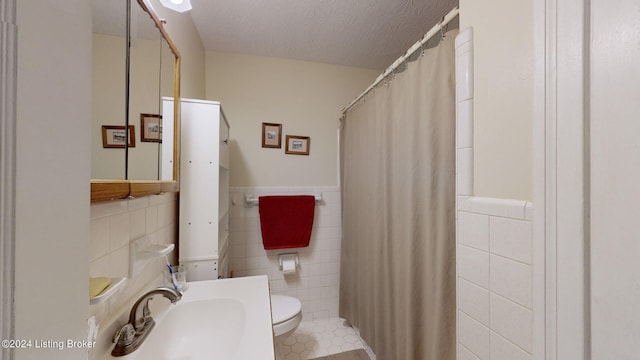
103,190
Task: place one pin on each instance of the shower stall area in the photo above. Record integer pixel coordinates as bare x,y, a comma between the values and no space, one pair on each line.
398,182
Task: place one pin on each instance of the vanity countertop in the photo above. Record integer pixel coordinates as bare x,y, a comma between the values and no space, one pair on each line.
215,319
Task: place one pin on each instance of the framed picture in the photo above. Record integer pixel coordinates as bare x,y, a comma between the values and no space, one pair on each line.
115,136
150,128
297,145
271,135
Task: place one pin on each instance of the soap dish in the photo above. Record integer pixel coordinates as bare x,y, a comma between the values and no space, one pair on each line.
154,251
142,250
116,283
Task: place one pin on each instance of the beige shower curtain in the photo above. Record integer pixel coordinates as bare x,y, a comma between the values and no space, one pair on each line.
397,281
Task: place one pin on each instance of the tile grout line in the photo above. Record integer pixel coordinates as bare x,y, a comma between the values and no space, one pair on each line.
509,341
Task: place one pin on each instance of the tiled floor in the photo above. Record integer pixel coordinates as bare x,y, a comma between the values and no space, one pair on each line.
315,338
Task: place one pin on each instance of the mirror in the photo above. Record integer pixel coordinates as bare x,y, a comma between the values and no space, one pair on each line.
108,88
152,60
151,71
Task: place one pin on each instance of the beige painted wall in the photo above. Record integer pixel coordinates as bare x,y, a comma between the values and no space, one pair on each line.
503,96
305,97
52,175
183,32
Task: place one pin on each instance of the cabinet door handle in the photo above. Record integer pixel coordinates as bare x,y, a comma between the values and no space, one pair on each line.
226,141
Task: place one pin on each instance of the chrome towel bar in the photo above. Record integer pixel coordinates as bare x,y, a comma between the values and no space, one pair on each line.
250,200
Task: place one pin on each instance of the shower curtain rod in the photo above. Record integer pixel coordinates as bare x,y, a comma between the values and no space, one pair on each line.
418,45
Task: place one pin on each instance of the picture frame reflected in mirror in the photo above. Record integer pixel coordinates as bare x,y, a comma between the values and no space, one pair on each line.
114,136
151,128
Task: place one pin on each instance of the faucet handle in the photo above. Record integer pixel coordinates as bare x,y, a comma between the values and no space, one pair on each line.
125,335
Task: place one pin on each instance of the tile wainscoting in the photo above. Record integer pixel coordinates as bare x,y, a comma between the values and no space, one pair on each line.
494,279
316,283
114,224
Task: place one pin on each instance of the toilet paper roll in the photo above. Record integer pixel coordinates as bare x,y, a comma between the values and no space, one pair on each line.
289,266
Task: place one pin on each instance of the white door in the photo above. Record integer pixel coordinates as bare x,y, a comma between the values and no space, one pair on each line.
615,179
588,181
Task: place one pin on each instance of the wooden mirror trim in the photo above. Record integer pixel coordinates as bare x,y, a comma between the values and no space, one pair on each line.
104,190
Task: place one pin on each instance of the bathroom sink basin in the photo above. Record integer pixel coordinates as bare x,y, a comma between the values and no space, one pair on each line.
192,328
217,319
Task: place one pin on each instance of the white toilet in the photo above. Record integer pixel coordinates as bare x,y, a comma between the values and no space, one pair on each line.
286,314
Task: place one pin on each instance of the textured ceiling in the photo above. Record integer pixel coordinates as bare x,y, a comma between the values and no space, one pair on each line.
361,33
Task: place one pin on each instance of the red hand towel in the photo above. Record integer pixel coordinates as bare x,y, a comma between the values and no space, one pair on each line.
286,221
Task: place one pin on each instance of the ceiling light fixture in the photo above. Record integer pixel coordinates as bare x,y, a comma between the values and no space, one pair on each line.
177,5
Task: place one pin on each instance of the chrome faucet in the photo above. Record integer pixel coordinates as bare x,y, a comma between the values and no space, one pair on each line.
130,336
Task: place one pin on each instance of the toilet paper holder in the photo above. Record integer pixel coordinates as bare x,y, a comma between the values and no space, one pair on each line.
288,257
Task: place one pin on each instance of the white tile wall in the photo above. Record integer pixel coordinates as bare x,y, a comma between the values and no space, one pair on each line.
511,279
316,283
473,265
494,248
465,354
502,349
464,113
512,238
473,230
114,225
474,336
464,137
507,208
511,321
464,66
494,286
473,300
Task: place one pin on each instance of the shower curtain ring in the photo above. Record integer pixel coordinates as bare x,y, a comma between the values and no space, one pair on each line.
443,29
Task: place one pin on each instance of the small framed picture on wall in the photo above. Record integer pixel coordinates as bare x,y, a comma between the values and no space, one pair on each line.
297,145
271,135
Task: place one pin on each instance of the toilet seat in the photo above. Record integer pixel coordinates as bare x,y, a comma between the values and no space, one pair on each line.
286,314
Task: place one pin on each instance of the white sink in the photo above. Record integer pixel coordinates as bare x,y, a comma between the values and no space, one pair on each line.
218,319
